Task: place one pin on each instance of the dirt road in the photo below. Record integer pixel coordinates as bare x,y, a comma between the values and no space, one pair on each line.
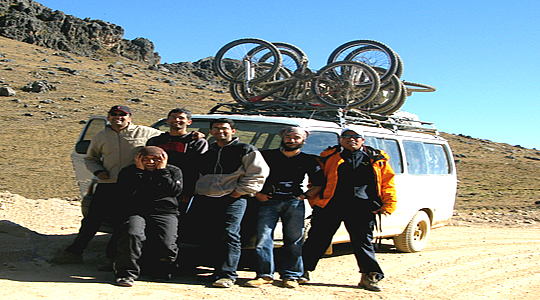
460,262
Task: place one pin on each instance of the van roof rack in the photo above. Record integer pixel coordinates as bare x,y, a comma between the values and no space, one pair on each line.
322,113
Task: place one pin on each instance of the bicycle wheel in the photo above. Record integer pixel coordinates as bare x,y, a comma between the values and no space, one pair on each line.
235,56
395,106
301,56
254,92
417,87
346,84
289,59
387,96
372,53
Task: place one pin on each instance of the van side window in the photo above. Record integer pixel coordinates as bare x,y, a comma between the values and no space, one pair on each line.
317,141
391,147
437,159
416,157
95,126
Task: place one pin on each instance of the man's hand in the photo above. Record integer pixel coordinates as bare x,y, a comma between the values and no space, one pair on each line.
162,164
235,194
262,197
196,135
184,199
103,175
138,161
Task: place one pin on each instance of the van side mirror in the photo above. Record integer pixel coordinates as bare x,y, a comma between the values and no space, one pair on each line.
82,146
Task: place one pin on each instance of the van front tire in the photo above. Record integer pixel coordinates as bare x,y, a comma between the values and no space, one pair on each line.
415,236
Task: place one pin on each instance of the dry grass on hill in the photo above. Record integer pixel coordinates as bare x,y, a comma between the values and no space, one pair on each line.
38,137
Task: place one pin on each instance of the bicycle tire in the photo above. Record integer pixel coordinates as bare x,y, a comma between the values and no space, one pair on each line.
372,53
346,84
242,94
234,56
289,59
397,105
387,96
299,53
418,87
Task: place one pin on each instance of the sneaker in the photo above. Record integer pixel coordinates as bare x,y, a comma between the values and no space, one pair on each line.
125,281
224,283
65,257
260,281
304,278
290,283
370,282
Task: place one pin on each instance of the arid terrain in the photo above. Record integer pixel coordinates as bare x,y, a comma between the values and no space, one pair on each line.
490,250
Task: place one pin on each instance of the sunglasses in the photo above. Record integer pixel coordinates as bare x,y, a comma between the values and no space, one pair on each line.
351,136
122,114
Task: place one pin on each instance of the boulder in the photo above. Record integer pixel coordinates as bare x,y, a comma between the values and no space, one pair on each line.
6,91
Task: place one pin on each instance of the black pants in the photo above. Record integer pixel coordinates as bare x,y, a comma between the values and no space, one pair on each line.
161,232
103,206
359,222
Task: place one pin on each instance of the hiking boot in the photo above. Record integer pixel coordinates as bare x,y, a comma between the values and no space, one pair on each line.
304,278
65,257
370,282
125,281
260,281
223,283
290,283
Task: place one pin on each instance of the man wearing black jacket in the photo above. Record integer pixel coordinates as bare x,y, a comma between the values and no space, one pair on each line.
183,148
150,188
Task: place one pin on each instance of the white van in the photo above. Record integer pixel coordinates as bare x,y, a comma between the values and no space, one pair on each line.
426,180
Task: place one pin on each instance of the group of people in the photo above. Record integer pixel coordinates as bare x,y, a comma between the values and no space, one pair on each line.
147,179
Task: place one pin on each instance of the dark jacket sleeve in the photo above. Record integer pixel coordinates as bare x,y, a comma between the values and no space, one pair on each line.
169,180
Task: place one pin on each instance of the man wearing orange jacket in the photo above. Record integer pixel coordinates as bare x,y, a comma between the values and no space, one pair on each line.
360,185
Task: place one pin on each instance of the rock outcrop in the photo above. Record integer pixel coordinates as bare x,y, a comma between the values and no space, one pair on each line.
31,22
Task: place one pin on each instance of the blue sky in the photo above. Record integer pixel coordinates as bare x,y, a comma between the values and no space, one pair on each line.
482,56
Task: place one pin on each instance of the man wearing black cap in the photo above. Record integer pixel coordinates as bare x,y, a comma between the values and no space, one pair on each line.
109,151
150,188
282,197
360,185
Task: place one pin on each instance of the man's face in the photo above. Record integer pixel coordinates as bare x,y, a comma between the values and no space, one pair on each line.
150,162
119,118
292,141
351,140
178,121
222,132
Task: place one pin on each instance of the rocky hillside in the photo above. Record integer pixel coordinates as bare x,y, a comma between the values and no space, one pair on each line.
30,22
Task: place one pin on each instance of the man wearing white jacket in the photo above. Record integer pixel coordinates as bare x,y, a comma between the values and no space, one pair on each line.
110,150
230,171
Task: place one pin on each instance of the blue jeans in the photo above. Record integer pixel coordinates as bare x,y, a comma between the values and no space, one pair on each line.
223,218
292,213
